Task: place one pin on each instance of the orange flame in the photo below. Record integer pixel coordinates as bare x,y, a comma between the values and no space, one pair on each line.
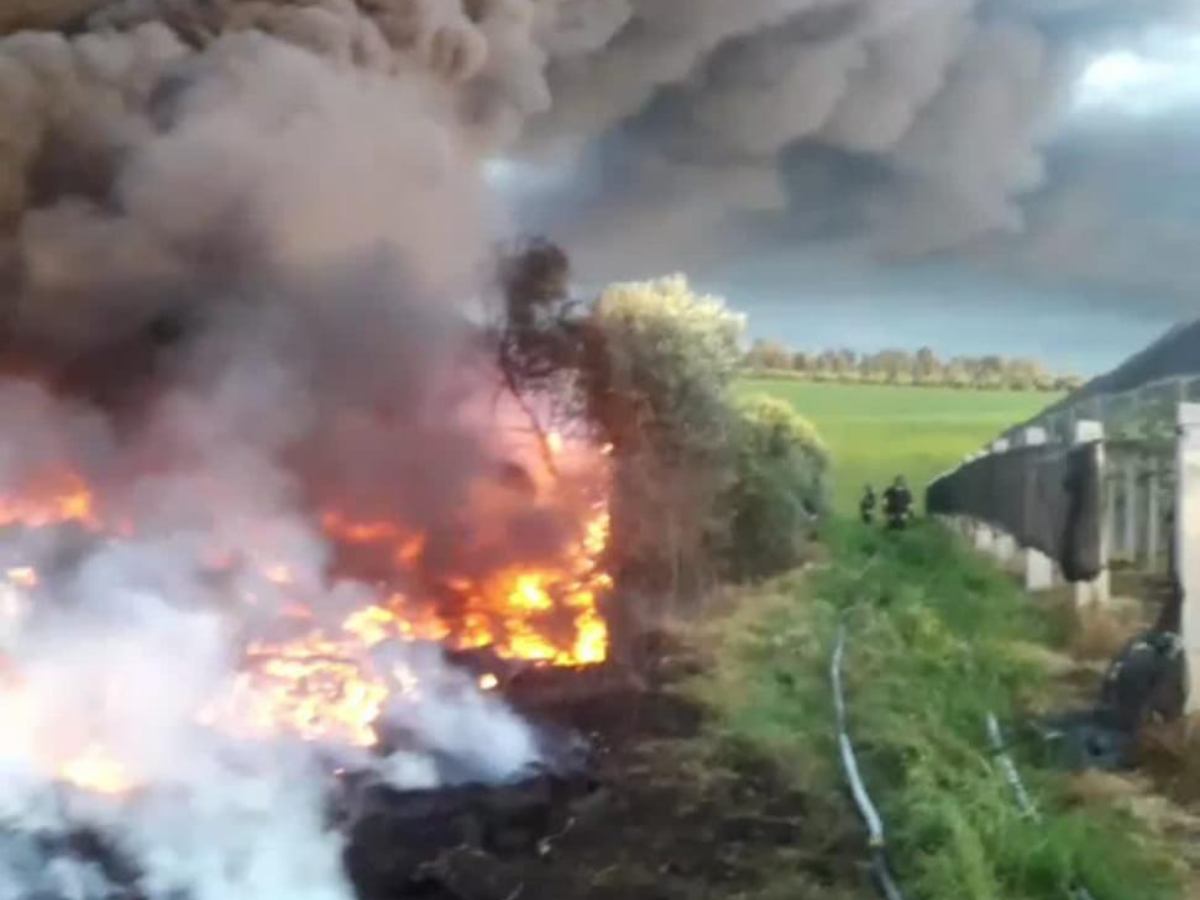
96,770
324,685
315,688
50,499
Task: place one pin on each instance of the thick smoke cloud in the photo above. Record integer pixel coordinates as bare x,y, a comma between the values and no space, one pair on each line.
242,253
917,126
704,104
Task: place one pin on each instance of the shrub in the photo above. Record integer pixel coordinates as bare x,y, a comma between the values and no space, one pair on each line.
780,486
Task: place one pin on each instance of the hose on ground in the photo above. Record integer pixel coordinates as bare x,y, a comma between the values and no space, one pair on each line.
877,840
1024,803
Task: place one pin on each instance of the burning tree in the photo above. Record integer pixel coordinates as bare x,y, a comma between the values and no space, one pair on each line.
701,488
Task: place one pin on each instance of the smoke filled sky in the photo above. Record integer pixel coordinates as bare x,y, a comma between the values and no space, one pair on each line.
1010,176
1006,176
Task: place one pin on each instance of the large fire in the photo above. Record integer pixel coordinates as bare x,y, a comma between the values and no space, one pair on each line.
328,684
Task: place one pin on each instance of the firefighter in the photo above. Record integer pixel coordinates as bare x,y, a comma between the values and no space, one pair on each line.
897,505
866,506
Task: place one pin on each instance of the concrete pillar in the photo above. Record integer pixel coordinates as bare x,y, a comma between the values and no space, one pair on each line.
1129,521
1187,537
1004,545
984,537
1039,568
1110,504
1095,592
1153,518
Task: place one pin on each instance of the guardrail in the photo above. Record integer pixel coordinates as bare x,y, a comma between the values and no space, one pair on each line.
1147,516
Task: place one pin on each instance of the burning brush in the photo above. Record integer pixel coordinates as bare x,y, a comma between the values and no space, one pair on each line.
263,487
123,714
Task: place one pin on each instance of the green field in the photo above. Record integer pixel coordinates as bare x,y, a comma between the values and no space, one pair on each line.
876,432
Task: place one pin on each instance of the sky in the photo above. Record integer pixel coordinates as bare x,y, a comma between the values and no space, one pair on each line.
954,312
1031,188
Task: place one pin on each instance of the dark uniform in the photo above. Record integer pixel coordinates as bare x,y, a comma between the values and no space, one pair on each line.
866,506
897,505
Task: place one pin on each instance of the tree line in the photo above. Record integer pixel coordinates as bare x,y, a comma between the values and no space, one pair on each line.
901,367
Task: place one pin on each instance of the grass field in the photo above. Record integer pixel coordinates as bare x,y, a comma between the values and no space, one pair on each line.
937,639
875,432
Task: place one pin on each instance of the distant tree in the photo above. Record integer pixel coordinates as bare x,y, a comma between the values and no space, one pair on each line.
847,361
900,367
958,373
1023,374
827,363
896,366
927,368
1068,383
765,354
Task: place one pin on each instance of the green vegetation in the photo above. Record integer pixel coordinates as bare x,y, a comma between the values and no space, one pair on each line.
936,639
779,488
705,488
899,367
877,432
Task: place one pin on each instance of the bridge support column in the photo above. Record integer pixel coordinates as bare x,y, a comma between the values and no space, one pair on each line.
1004,545
1187,537
1039,568
1153,523
1095,592
1129,524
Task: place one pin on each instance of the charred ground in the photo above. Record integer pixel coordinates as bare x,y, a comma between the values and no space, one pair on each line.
671,807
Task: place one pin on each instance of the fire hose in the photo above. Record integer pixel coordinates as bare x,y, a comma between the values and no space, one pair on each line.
877,840
1009,769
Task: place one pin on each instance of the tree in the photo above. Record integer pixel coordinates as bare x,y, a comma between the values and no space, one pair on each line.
927,368
769,355
1023,374
827,363
958,373
899,367
661,362
538,337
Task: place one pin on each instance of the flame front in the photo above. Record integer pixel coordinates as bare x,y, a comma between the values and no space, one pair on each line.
326,684
96,770
50,498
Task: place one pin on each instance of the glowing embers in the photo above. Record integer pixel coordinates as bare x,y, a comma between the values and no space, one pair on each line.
98,771
327,682
51,498
315,688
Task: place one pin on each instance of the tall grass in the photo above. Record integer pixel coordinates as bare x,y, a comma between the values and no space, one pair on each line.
935,640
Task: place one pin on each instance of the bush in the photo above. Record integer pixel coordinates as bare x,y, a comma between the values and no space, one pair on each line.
780,487
662,362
